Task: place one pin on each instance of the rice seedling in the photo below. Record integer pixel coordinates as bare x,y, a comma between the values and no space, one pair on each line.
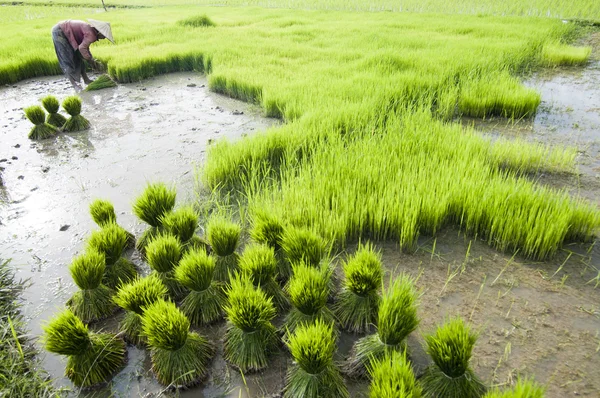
180,358
103,213
154,203
94,301
204,304
259,264
450,375
93,358
101,82
303,245
393,377
524,388
250,337
223,237
163,254
557,54
313,373
41,130
134,297
197,21
145,237
358,301
111,241
267,229
76,122
181,223
396,319
52,105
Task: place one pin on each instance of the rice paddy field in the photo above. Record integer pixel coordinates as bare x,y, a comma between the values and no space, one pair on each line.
460,139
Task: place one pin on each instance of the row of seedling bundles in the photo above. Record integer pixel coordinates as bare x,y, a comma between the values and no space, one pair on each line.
47,126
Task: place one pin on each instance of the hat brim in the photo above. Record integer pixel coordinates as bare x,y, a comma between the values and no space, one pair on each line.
103,28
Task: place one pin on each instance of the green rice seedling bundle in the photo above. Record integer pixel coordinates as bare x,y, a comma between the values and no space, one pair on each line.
101,82
180,358
133,297
181,223
450,375
313,373
557,54
163,254
94,301
111,241
223,237
267,228
103,213
524,388
197,21
303,245
250,337
259,264
393,377
151,206
76,122
206,299
41,130
396,319
358,301
52,106
93,358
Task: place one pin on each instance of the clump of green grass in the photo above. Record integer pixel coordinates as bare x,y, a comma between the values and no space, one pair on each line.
204,304
197,21
250,337
267,229
393,377
303,245
223,236
101,82
134,297
180,358
93,358
313,374
557,54
396,319
181,223
358,301
103,213
154,203
41,130
111,240
52,106
94,301
76,122
450,375
523,389
163,254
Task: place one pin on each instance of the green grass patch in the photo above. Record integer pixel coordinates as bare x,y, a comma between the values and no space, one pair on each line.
557,54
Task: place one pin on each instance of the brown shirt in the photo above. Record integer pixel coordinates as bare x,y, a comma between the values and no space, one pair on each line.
80,36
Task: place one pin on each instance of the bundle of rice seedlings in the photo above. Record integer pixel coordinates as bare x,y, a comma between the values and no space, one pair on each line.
151,206
111,241
258,262
93,358
163,254
250,337
450,375
134,297
392,377
396,319
204,304
103,213
181,223
76,122
41,130
308,289
358,301
102,81
52,105
523,389
303,245
313,374
94,301
223,237
180,358
268,229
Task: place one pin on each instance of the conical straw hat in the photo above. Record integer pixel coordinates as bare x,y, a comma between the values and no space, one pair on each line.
102,27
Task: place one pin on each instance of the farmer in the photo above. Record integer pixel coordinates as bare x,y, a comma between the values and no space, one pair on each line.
72,41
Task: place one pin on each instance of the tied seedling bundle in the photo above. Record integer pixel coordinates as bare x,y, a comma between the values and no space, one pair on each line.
76,122
303,245
183,223
94,301
52,106
392,377
133,298
103,214
358,301
151,206
111,241
204,304
93,358
396,319
223,237
41,130
268,229
179,357
450,375
163,254
313,374
523,389
101,82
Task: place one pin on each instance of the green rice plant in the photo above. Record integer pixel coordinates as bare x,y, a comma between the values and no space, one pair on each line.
450,375
94,301
557,54
303,245
133,297
223,237
396,319
393,377
101,82
250,337
180,358
76,122
267,229
196,243
524,388
181,223
204,304
41,130
154,203
259,264
358,301
52,105
123,271
146,236
93,358
111,240
163,254
103,213
313,374
197,21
